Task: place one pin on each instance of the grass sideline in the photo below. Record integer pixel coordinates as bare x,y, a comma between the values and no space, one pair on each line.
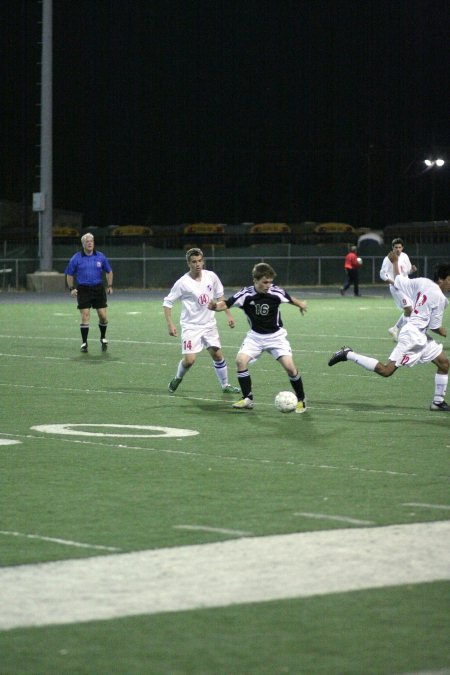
368,449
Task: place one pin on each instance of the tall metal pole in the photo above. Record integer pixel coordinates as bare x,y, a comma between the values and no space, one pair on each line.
46,175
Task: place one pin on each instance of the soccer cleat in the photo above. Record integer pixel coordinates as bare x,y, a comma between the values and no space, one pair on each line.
341,291
244,403
340,355
229,389
174,384
393,332
301,406
84,348
442,406
104,344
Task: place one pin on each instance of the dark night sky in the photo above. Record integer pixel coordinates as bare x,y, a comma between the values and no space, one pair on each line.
170,111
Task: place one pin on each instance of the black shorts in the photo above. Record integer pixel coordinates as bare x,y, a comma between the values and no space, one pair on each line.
92,296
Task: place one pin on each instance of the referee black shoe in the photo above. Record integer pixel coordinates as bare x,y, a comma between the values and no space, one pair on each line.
84,348
104,344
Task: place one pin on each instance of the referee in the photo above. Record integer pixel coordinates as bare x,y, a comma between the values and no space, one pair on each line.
88,266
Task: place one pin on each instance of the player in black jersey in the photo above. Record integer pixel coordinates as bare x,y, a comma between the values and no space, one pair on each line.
261,304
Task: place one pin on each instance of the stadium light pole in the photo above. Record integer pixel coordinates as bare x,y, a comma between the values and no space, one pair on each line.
432,164
43,200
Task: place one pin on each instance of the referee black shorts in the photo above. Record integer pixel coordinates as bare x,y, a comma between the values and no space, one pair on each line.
92,296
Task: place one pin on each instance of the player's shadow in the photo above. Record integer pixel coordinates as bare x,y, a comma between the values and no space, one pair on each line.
361,406
130,389
94,359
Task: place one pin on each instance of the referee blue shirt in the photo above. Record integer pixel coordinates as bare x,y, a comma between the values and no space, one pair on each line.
88,268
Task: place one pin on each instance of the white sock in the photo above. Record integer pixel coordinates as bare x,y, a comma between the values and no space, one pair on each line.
181,370
440,387
221,371
366,362
402,320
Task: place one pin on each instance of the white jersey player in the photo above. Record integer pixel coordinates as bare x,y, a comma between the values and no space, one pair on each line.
402,300
414,346
195,290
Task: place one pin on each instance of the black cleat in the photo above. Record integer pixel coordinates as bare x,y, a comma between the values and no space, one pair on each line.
174,384
84,348
442,406
340,355
104,344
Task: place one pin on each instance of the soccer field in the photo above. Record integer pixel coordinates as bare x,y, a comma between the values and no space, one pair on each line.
149,532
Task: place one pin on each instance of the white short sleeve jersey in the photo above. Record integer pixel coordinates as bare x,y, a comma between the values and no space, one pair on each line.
195,294
428,301
387,268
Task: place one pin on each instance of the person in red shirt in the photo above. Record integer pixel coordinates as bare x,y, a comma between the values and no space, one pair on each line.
351,265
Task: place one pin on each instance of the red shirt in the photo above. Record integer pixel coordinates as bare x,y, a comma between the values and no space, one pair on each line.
351,261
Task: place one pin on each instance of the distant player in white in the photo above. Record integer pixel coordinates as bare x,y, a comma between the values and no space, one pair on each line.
199,331
414,346
402,301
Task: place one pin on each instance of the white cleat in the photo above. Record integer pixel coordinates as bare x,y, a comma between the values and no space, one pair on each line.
230,389
393,332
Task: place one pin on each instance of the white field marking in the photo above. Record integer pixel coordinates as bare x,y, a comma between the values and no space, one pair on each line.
8,441
62,314
132,313
384,413
341,519
155,432
220,530
33,356
65,542
208,456
176,344
428,506
116,362
221,574
54,338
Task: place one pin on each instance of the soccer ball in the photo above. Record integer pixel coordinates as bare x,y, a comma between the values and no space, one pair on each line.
286,401
359,260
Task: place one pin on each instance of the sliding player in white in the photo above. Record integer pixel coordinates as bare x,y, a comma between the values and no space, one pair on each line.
414,346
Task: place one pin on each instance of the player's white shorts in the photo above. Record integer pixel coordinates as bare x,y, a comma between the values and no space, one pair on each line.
194,340
276,344
400,299
414,347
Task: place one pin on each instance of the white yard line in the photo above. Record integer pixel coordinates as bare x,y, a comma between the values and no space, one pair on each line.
241,571
65,542
341,519
428,506
220,530
228,458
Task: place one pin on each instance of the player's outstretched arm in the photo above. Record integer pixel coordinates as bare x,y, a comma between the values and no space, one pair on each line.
230,319
217,306
301,304
440,331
